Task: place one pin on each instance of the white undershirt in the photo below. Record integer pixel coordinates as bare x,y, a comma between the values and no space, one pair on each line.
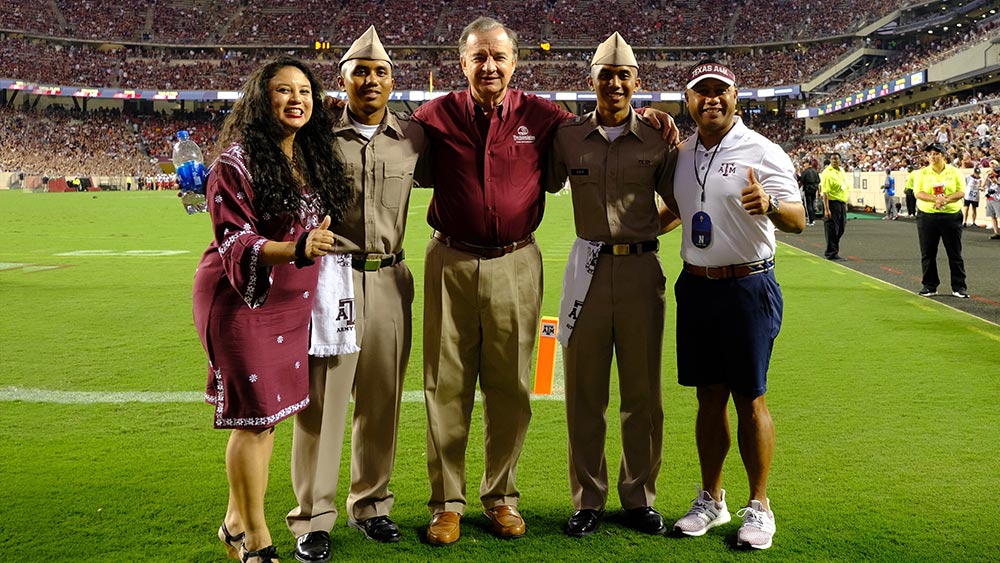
614,132
366,131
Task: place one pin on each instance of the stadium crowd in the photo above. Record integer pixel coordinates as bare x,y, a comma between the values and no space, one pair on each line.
64,143
420,22
911,57
972,138
203,69
130,144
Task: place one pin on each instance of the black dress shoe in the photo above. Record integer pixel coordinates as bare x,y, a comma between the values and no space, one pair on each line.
584,522
313,547
646,520
379,528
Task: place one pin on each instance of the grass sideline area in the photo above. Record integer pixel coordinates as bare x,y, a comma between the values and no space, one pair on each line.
885,406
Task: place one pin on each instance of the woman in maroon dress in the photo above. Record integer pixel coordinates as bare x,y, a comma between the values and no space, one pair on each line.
272,194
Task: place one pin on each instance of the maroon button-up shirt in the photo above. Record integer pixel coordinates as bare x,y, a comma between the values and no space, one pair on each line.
488,190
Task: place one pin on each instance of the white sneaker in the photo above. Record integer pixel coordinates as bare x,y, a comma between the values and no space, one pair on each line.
706,514
758,526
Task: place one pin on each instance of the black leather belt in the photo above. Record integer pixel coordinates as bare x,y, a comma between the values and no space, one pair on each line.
373,262
483,251
730,272
631,248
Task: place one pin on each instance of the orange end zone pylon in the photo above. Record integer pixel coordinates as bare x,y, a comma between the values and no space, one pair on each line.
545,363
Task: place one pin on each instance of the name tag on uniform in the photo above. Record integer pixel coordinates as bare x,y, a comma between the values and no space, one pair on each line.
579,171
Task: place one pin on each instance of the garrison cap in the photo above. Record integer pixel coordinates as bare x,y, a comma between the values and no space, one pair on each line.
368,46
615,52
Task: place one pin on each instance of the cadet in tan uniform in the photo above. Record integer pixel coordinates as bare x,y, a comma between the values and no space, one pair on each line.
613,295
380,150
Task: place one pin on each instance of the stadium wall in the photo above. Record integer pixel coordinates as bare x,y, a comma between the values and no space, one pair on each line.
866,191
973,60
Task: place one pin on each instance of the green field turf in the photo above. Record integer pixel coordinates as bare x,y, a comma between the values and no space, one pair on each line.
885,403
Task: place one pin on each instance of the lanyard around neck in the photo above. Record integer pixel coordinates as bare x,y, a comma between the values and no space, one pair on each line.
708,169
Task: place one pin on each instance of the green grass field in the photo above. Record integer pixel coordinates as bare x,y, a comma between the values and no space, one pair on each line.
886,407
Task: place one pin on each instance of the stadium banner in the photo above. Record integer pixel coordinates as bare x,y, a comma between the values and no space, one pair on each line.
884,89
397,95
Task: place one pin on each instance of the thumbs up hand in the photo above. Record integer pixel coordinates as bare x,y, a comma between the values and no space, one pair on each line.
755,200
320,240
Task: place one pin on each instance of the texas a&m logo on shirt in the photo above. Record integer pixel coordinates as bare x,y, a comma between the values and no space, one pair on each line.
727,168
523,136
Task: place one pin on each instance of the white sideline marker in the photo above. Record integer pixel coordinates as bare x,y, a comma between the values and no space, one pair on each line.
30,395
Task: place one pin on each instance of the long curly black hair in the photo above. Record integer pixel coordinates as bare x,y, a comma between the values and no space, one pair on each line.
253,125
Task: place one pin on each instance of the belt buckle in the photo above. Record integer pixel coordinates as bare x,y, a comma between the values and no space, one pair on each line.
620,249
708,273
372,264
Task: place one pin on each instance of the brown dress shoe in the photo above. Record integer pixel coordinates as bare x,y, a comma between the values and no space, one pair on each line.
444,528
506,520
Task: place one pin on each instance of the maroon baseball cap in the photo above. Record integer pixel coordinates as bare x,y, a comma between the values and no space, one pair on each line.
715,70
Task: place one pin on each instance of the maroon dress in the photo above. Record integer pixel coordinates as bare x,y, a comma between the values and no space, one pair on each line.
253,320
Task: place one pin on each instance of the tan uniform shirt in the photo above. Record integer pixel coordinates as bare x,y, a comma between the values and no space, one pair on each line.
612,199
377,224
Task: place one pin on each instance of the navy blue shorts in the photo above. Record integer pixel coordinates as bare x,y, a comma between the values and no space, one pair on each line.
726,330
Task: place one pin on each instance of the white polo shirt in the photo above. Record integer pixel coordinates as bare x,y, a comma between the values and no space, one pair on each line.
737,237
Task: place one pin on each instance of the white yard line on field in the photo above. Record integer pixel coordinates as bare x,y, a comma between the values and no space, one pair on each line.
30,395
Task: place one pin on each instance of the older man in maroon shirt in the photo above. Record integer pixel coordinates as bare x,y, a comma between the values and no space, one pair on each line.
483,275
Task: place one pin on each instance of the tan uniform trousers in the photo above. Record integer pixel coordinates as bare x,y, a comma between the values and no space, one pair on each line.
622,314
383,325
480,322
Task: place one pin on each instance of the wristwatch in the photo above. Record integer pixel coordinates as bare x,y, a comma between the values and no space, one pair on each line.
772,205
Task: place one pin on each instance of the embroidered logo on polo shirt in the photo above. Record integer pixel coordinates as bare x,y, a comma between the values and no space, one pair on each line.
579,171
727,168
523,136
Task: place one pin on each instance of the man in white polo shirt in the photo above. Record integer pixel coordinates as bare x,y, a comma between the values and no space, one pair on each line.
732,188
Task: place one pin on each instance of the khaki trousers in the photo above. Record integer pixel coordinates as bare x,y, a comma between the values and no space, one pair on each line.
622,314
374,376
480,322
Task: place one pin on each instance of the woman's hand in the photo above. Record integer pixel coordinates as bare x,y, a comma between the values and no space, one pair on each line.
320,240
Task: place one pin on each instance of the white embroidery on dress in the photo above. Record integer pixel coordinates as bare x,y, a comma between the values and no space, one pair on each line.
298,365
220,394
253,378
240,196
250,299
281,339
234,157
279,397
224,247
218,199
262,421
305,295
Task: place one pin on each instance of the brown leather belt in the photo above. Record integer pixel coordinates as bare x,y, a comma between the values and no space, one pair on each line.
730,272
630,248
373,262
482,251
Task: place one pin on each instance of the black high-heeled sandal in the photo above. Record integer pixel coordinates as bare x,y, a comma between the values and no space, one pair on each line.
267,555
233,543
